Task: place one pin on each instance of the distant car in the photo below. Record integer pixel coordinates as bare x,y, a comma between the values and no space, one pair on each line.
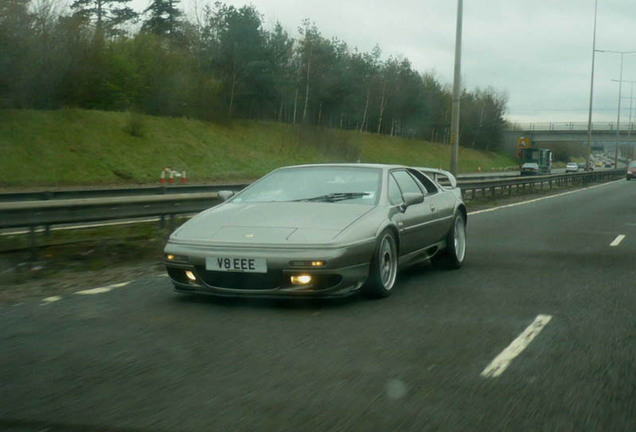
608,165
530,168
598,164
581,166
320,231
571,167
631,170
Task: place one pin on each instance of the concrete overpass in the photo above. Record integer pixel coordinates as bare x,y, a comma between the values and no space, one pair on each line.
547,134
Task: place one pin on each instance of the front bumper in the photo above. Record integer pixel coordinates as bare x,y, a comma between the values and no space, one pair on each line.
344,273
529,172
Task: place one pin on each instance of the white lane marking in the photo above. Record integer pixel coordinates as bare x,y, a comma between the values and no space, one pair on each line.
540,199
617,240
50,300
102,290
503,360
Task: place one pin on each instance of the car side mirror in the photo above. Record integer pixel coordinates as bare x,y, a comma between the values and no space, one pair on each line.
411,198
225,195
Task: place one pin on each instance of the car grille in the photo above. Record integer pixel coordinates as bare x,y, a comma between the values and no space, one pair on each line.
235,280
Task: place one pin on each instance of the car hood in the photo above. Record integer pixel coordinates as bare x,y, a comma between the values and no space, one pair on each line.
271,223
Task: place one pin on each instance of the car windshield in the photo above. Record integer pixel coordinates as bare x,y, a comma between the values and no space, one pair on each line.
632,164
333,184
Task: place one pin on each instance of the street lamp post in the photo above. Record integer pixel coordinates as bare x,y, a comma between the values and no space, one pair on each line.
589,117
631,102
456,92
618,114
620,88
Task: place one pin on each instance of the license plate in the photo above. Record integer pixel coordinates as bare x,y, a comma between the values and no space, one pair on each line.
235,264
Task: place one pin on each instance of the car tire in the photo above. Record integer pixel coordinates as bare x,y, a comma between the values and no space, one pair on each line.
455,253
384,265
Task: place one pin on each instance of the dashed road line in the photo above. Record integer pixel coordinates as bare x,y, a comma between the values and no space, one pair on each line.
503,360
50,300
618,240
94,291
102,290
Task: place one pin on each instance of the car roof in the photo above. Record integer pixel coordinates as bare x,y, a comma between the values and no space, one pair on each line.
348,164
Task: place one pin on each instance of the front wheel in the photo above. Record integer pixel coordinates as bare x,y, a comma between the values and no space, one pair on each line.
384,264
453,256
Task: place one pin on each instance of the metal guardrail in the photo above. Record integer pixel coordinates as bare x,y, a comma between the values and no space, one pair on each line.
46,213
116,192
524,183
69,194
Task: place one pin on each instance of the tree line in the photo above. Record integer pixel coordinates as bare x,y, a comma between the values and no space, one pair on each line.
222,63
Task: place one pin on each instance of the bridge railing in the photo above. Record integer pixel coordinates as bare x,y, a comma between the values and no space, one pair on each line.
572,126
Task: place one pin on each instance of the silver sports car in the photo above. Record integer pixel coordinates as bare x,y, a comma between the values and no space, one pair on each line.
320,231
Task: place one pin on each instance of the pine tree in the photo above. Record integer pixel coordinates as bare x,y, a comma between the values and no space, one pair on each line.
107,15
164,18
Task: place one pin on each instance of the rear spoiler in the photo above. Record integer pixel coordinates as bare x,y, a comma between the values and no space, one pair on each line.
441,176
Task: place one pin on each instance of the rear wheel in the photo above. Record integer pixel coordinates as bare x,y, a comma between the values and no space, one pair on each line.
384,264
453,256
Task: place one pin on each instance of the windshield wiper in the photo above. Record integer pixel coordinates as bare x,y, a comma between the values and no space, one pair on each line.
336,196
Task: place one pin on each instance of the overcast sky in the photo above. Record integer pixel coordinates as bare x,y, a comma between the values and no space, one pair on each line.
537,51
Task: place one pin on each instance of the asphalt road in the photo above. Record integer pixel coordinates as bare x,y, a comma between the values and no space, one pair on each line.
536,332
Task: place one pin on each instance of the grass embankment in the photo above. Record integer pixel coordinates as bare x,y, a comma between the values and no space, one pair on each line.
73,147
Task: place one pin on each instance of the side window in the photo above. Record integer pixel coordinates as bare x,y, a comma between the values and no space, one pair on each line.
426,182
395,195
406,182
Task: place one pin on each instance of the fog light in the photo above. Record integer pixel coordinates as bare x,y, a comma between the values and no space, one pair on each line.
190,275
300,279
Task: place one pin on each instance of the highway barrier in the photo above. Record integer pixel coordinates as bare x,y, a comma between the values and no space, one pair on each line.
46,209
524,184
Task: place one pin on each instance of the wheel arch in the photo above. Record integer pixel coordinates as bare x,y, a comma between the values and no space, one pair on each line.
464,212
394,230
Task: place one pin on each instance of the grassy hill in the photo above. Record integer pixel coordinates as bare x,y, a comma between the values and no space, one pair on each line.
80,147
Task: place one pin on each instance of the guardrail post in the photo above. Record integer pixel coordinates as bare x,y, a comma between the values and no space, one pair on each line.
33,243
